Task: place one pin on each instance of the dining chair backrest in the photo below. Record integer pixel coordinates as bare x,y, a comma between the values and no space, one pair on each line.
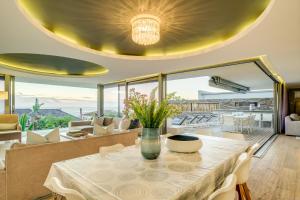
252,119
242,168
110,149
227,190
252,149
69,194
246,120
228,120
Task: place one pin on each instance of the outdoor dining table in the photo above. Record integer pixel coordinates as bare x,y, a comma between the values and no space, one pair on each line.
126,175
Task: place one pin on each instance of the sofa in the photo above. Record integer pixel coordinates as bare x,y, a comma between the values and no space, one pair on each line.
292,125
84,125
10,128
87,125
27,166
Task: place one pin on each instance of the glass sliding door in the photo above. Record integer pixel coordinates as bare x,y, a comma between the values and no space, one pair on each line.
144,87
122,97
111,100
195,113
114,97
222,110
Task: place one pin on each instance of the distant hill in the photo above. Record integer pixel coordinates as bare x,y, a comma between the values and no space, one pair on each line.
45,112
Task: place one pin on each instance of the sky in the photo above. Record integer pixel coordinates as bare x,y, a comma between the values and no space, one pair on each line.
54,96
188,88
69,99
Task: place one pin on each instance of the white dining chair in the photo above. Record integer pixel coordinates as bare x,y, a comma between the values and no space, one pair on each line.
69,194
229,121
227,190
245,123
242,170
251,150
252,122
111,149
137,142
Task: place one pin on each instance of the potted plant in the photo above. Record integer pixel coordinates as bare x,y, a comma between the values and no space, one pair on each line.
23,120
151,114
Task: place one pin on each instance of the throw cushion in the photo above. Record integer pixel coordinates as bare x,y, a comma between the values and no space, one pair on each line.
295,117
2,164
97,120
116,122
103,130
51,137
107,121
99,130
135,123
8,126
110,128
124,124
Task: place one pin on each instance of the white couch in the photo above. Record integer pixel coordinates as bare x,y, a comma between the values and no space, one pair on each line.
292,127
87,127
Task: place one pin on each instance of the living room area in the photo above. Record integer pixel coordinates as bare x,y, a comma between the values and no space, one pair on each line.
205,109
154,100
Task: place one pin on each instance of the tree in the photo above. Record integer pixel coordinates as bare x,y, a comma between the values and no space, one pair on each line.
37,106
35,115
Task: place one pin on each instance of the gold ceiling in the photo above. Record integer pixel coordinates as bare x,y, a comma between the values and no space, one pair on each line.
186,25
51,65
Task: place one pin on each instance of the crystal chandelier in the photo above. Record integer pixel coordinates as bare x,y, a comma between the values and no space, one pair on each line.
145,29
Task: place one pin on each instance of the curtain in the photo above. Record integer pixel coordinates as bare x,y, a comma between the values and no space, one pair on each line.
283,107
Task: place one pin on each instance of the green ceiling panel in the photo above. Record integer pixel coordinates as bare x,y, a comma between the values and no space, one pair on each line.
51,65
186,25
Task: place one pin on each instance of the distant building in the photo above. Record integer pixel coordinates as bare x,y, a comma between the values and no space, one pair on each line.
203,95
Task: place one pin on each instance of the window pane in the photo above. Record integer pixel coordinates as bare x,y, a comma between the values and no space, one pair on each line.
2,102
58,104
144,87
122,93
111,102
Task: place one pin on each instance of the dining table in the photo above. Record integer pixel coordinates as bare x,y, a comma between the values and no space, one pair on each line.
126,175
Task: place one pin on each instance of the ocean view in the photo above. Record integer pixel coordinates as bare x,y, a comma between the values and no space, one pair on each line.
75,111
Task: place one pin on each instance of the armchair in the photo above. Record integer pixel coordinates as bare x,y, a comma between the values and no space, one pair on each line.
10,128
292,127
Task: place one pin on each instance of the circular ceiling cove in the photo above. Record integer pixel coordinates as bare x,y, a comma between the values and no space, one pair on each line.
104,26
51,65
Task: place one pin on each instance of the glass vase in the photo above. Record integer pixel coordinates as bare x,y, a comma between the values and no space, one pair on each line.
150,143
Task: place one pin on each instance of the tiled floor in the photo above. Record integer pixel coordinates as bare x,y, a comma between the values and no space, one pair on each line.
276,176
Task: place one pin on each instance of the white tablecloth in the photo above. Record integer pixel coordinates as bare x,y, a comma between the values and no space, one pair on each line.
127,176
